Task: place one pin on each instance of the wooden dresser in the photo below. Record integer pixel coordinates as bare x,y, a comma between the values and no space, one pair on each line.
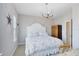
56,31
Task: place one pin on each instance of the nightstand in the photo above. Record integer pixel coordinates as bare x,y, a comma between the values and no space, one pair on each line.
64,47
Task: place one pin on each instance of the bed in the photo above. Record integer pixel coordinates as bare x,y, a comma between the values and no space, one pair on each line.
39,43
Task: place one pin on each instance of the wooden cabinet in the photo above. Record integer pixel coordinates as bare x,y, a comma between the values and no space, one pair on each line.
56,31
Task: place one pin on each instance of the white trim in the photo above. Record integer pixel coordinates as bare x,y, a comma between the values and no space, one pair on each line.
22,43
13,51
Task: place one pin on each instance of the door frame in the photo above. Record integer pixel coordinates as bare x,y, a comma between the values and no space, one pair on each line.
71,31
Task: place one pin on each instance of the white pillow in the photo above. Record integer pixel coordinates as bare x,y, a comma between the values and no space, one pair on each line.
36,30
32,34
43,34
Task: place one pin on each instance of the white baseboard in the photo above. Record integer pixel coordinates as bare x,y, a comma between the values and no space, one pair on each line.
13,51
21,43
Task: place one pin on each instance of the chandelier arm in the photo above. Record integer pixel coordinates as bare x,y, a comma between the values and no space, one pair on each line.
48,13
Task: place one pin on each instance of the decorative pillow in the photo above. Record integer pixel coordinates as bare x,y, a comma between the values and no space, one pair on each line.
36,30
43,34
34,34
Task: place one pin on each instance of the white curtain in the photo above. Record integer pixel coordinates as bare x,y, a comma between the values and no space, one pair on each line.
14,28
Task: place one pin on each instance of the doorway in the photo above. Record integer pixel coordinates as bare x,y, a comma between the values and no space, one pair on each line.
69,32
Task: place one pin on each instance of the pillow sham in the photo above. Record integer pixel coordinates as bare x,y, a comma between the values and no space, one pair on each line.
36,30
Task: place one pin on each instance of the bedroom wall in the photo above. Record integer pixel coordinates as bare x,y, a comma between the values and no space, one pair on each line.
25,21
62,21
75,18
74,15
7,43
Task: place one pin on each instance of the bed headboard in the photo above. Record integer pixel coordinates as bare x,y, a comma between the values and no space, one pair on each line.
36,27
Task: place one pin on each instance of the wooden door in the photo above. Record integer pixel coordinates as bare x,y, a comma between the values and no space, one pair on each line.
55,31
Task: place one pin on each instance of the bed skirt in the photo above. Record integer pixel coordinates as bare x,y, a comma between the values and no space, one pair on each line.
45,52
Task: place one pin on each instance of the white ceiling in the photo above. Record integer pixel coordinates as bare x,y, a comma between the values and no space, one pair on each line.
35,9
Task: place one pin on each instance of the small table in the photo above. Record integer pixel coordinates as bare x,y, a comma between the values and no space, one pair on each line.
64,47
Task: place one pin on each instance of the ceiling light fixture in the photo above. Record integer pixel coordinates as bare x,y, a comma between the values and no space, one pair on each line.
48,12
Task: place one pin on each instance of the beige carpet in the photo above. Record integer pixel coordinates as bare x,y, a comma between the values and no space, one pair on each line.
72,52
20,51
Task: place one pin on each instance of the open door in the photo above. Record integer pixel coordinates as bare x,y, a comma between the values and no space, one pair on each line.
69,32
